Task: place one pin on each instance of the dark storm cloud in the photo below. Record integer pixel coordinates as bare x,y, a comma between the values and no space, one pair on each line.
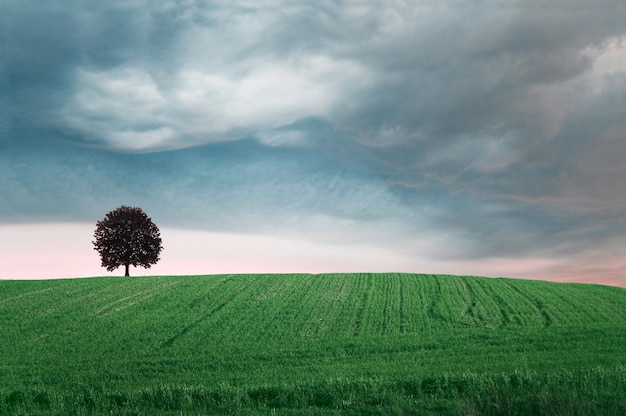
44,44
237,186
500,123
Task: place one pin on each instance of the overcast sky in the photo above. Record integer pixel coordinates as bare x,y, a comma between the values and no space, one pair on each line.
464,137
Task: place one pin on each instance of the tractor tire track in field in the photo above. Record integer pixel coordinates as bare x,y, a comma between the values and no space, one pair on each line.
118,305
465,310
361,314
433,312
537,303
194,324
328,296
34,292
404,324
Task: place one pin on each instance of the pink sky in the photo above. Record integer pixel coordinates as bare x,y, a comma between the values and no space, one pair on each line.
43,251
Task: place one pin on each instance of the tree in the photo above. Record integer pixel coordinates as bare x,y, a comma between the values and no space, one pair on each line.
127,236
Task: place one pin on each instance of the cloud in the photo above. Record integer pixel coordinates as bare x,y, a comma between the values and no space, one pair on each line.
131,109
384,72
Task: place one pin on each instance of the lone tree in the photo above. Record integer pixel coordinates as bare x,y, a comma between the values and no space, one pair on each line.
127,236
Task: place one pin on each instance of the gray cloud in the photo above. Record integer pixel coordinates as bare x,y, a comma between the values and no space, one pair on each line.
498,124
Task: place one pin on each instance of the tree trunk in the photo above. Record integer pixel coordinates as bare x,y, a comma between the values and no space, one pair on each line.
127,274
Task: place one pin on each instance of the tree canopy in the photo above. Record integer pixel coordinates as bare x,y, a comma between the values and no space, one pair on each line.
127,236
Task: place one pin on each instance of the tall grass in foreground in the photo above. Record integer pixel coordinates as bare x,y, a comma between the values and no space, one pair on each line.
600,391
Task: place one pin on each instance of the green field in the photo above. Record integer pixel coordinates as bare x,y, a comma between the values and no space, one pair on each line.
311,344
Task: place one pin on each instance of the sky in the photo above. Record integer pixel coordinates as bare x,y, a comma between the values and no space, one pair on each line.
282,136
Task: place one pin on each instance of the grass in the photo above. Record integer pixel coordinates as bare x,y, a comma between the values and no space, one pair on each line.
311,344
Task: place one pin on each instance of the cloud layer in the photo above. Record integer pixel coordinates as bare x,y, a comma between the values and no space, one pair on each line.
497,128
